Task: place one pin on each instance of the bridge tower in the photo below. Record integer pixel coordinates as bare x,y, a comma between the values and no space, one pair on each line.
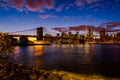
40,33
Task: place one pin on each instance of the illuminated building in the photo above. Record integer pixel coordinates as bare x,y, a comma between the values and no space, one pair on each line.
89,33
102,35
115,34
118,37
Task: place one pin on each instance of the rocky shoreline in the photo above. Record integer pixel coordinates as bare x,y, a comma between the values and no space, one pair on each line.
10,71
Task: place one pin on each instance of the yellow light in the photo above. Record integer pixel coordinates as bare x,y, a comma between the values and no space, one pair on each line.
32,38
39,50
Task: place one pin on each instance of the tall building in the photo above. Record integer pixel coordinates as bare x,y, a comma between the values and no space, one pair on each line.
89,33
102,35
115,34
118,36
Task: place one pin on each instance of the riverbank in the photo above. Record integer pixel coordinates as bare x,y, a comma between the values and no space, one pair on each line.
10,71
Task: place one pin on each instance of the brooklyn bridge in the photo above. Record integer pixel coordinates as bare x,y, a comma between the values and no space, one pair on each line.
38,33
43,34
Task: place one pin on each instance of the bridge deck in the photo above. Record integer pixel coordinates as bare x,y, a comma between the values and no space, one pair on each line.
36,36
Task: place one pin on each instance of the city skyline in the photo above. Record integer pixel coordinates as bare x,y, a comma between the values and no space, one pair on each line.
18,15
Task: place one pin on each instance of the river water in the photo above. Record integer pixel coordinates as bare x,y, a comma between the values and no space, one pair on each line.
103,59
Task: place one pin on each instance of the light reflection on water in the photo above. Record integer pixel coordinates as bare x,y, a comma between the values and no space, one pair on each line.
82,58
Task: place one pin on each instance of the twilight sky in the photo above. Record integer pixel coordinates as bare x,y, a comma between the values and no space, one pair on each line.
18,15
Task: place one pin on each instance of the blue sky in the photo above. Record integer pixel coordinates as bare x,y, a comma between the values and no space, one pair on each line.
18,15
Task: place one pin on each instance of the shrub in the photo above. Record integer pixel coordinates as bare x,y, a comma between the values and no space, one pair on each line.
6,46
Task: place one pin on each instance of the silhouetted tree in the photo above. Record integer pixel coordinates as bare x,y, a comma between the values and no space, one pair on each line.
24,40
13,40
6,46
57,34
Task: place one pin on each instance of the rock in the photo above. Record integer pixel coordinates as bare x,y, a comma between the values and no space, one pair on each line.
46,74
66,77
32,76
5,77
17,75
41,78
59,76
52,77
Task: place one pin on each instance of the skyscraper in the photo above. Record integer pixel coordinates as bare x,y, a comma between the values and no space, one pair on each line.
102,35
89,33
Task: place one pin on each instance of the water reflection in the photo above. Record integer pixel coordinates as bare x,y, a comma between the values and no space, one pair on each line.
38,50
85,58
22,54
28,55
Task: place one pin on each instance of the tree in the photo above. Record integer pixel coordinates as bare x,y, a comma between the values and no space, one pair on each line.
6,46
57,34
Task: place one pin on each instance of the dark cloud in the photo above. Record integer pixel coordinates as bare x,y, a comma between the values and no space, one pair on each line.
39,5
60,29
105,26
31,5
84,27
77,28
81,28
110,25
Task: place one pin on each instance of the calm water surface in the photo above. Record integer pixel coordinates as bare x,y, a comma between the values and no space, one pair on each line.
78,58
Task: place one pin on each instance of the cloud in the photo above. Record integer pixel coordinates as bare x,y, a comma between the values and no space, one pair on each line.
49,4
39,5
110,25
5,4
18,4
90,1
44,16
5,0
79,3
60,29
31,5
60,7
78,28
93,1
73,28
84,27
